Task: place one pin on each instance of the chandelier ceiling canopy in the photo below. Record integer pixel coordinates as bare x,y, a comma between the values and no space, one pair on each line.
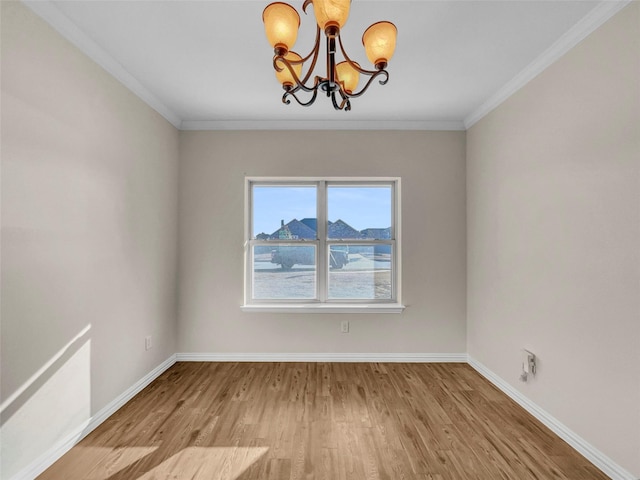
294,72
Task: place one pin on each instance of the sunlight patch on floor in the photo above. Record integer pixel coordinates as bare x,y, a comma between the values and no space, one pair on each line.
210,463
96,463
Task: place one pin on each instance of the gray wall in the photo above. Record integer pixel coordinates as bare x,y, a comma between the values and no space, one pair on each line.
553,211
89,233
212,170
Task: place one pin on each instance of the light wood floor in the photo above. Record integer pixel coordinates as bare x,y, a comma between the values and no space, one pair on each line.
334,421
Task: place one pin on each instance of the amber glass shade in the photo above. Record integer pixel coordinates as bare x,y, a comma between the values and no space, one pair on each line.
281,23
379,42
347,76
331,12
285,77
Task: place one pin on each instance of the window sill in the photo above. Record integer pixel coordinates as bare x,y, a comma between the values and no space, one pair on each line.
325,308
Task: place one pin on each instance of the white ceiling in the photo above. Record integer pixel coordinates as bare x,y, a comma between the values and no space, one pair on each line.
207,64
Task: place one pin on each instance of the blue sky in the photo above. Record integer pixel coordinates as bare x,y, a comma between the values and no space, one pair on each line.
360,207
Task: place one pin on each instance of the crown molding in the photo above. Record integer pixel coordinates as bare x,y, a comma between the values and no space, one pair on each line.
595,18
321,125
65,27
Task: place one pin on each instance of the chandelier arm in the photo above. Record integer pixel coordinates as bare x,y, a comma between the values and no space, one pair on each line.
334,102
371,79
344,105
314,52
287,64
301,84
292,93
354,64
276,67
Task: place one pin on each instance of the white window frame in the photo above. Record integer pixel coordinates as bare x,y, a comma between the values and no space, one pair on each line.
322,303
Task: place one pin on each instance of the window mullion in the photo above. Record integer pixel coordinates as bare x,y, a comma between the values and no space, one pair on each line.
322,264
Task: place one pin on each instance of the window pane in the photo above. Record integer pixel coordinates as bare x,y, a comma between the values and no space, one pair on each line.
284,272
283,212
360,272
359,212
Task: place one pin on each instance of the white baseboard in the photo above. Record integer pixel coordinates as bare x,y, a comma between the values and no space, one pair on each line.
47,459
131,392
599,459
324,357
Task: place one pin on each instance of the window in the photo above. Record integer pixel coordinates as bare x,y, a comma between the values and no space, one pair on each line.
322,244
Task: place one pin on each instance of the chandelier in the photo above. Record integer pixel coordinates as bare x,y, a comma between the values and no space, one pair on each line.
281,22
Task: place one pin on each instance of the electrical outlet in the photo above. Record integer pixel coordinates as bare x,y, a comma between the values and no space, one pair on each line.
529,365
147,342
531,360
344,326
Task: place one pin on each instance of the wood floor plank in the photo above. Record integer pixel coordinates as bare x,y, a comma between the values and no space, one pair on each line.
317,421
